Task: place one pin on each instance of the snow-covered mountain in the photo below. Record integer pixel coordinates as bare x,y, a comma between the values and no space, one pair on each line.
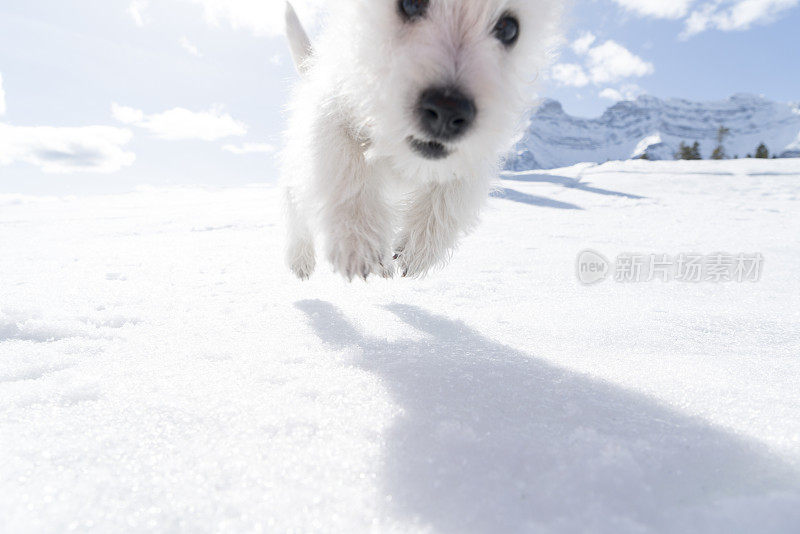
656,127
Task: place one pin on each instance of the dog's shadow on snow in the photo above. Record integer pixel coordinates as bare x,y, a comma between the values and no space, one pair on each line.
568,182
491,439
506,193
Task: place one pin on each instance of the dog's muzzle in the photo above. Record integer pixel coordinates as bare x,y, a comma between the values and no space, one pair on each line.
432,150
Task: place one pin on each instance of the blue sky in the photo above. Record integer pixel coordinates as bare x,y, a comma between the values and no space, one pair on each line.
105,96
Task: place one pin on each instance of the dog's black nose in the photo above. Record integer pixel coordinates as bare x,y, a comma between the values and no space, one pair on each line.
445,114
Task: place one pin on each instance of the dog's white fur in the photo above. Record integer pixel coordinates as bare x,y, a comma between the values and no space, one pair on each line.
349,172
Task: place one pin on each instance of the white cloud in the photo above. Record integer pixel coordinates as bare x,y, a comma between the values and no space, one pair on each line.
262,17
136,9
2,97
65,150
728,15
626,92
250,148
611,62
569,74
662,9
126,114
180,124
699,21
611,94
583,43
189,47
606,63
725,15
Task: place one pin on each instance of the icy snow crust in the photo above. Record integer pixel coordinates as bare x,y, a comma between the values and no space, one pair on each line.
656,127
161,371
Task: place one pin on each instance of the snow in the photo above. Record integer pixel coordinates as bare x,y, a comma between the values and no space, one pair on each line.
161,371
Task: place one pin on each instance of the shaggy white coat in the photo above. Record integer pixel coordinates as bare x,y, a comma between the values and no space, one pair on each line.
350,176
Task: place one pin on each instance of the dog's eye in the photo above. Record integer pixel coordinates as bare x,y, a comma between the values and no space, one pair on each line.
413,9
507,30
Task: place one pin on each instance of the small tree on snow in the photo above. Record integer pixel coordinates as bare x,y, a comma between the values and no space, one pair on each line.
719,152
688,152
695,151
762,152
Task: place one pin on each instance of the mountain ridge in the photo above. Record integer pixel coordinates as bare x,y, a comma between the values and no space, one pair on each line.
655,127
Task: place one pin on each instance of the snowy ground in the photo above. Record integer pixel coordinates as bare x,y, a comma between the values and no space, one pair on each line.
161,371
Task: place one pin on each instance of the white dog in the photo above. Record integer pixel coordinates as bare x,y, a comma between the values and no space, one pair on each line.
398,125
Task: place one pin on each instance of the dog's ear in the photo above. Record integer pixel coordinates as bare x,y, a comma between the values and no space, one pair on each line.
299,44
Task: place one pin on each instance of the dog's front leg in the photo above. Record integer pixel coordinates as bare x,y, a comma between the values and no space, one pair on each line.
356,219
434,220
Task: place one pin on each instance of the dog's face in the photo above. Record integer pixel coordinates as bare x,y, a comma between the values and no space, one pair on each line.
440,85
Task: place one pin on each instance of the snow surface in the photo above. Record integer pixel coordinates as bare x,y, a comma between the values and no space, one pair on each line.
656,127
161,371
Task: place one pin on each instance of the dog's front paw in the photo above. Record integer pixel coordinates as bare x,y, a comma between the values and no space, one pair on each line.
416,257
360,256
301,263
